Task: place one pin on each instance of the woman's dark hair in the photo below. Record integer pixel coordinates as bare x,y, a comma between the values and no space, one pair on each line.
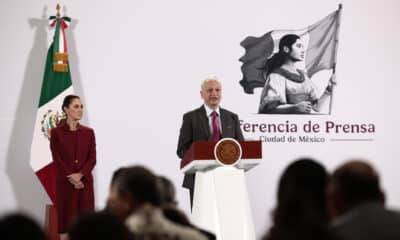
20,226
301,207
167,190
279,58
68,100
99,225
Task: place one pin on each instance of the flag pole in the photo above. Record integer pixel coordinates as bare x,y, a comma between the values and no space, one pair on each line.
333,77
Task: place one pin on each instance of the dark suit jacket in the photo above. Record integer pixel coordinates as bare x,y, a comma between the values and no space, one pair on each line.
369,221
195,127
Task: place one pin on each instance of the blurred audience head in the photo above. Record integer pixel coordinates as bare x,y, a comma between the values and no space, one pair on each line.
131,187
19,226
100,225
353,183
167,191
176,215
301,190
301,207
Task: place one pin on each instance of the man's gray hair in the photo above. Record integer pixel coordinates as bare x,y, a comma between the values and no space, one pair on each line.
209,79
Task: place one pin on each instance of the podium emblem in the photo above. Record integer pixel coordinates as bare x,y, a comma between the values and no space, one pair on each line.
228,151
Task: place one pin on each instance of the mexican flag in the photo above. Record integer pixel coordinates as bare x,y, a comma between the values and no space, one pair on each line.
320,40
55,86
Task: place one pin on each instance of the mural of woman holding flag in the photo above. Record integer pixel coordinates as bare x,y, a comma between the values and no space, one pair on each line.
284,62
288,89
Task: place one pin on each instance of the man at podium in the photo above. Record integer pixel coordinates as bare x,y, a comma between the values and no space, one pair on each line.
209,122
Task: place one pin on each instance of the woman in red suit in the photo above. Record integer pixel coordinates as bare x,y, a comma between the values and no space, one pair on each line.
73,147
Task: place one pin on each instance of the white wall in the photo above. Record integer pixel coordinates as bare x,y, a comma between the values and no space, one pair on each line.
138,66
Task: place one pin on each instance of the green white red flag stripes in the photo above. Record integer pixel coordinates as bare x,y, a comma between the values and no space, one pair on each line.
320,40
55,86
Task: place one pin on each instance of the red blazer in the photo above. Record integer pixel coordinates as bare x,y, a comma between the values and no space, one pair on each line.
73,151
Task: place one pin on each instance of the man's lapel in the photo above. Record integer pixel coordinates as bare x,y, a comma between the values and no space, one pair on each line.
204,122
223,122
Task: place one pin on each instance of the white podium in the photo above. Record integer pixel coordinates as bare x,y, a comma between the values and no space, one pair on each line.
220,203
